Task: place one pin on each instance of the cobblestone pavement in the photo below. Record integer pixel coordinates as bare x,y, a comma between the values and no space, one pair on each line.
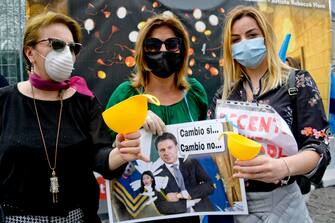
321,205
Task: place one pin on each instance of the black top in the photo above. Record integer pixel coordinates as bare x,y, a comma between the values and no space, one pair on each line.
306,119
197,183
84,146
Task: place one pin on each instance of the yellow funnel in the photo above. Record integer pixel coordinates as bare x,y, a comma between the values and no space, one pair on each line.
129,115
241,147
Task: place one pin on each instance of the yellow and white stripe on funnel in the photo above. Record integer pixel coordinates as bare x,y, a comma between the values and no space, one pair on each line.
241,147
129,115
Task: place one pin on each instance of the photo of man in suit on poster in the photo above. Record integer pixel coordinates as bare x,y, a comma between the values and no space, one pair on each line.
188,186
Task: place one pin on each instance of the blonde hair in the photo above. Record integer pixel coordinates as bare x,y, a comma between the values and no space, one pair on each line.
140,79
277,71
33,26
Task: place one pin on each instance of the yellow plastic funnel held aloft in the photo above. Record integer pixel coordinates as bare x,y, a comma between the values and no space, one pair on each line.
129,115
241,147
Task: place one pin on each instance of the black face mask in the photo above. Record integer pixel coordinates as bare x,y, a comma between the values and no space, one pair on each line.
163,64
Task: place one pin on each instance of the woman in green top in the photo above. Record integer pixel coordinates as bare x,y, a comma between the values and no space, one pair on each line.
162,53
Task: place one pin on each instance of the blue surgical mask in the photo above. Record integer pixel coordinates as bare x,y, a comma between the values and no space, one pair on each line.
249,53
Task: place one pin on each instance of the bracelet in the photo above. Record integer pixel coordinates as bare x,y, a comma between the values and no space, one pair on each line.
285,180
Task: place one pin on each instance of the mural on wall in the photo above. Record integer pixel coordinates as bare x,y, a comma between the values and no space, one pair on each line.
110,29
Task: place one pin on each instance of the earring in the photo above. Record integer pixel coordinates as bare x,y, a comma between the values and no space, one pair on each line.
31,68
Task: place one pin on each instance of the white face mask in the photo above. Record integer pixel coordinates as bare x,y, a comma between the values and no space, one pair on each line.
59,64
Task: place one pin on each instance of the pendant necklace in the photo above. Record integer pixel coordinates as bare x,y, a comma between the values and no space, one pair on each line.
54,185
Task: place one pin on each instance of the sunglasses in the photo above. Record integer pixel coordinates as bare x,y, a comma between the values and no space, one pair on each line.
59,45
154,45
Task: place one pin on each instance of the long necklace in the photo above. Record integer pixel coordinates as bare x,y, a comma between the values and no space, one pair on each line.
54,185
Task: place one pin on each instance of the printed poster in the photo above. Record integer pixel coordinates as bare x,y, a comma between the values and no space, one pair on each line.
189,174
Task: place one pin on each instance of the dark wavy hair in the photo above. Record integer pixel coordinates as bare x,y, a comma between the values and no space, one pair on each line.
141,78
153,184
165,136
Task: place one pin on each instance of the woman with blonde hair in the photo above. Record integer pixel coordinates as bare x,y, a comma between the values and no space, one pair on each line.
253,72
162,53
52,136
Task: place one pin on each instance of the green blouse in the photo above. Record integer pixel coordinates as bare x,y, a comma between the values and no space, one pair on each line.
193,104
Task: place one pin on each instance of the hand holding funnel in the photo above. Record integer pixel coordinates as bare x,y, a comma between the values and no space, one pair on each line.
129,115
241,147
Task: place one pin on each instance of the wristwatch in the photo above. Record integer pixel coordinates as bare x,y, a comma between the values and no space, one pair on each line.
179,196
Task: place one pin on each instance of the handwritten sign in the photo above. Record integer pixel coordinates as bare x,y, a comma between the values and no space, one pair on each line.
262,124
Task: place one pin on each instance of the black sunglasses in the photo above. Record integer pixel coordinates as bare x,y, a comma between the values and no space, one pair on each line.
154,45
59,45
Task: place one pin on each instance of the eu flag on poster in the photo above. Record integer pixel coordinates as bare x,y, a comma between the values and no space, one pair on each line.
218,198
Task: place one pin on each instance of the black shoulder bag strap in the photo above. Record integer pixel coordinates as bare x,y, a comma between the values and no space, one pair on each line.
292,89
302,181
